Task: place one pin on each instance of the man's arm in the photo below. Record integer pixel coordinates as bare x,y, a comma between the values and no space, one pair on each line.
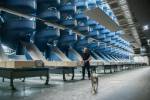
90,58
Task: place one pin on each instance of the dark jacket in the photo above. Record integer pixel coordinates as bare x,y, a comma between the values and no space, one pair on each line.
85,57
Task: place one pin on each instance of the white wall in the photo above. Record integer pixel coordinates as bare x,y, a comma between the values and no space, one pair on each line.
143,59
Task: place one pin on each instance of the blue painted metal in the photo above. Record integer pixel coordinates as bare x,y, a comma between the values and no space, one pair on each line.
108,40
68,11
81,43
98,2
49,13
17,25
99,27
92,4
81,4
27,6
81,16
111,34
96,56
83,29
48,32
52,3
93,46
71,23
101,36
68,38
17,29
91,22
105,31
93,33
46,36
68,7
69,14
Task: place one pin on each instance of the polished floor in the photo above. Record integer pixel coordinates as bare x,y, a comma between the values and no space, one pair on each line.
126,85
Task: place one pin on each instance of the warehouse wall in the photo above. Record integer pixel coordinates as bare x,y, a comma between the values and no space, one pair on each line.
143,59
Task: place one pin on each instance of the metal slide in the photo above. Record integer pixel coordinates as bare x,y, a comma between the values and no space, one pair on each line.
74,55
97,56
57,55
17,57
63,64
13,62
2,54
33,51
104,57
59,59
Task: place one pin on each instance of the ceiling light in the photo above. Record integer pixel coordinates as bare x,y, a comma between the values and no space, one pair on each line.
148,41
145,27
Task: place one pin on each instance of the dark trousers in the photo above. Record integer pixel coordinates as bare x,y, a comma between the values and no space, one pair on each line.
86,66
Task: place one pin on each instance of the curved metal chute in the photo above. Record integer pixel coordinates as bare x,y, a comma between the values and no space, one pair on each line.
33,51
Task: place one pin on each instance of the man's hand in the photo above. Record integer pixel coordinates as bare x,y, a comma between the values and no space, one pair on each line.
82,61
86,60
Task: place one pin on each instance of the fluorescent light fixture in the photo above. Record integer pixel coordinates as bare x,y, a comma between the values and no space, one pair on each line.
148,41
4,47
32,18
145,27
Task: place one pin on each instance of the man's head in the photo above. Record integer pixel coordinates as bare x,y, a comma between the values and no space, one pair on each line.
85,50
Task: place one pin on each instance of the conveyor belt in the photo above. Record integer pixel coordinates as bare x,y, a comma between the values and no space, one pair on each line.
17,64
60,64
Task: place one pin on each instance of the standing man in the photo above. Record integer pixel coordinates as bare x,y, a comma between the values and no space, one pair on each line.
86,59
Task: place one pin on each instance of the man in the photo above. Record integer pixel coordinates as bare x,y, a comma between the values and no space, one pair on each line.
86,59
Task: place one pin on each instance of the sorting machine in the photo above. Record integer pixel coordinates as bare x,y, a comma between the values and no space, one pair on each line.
39,48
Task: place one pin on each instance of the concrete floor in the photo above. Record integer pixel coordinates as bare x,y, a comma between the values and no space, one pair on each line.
127,85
